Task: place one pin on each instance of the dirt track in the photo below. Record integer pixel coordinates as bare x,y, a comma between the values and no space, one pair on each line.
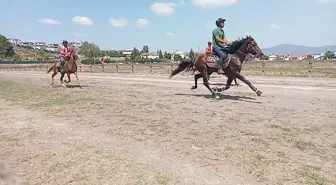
150,130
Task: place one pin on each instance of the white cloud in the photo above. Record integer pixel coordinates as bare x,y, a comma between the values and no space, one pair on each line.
82,20
170,34
326,1
118,22
214,3
142,22
274,26
165,9
80,35
49,21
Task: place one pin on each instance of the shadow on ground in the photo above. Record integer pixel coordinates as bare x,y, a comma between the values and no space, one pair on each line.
70,86
223,97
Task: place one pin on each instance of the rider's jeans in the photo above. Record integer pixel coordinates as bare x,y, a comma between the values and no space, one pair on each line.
62,60
221,52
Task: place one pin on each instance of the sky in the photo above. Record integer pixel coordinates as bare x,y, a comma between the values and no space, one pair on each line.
169,24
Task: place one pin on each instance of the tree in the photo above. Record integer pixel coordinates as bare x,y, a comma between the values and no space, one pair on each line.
169,56
160,54
145,49
90,51
329,54
134,53
165,55
191,54
177,57
6,49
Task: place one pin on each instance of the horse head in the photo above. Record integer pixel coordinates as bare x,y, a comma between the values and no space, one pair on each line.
250,46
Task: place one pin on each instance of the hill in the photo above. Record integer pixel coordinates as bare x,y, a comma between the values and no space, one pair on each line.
291,49
32,54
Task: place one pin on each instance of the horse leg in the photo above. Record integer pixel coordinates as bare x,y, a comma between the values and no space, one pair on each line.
237,84
242,78
61,78
76,75
206,83
69,79
196,77
52,77
227,86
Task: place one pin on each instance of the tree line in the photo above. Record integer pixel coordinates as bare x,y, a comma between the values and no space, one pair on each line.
92,53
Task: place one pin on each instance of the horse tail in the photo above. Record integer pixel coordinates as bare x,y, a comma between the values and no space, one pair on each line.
184,65
50,69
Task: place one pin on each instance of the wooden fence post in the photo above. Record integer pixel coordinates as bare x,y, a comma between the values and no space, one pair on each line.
150,68
310,68
103,68
80,68
117,69
132,68
91,68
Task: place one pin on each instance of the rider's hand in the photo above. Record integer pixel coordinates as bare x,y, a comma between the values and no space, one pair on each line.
229,43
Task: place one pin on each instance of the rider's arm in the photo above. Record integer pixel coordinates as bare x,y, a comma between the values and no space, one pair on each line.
62,51
225,41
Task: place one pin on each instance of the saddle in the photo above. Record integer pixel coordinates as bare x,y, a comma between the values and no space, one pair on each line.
212,60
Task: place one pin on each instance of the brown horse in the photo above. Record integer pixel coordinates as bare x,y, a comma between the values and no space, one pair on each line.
70,67
205,64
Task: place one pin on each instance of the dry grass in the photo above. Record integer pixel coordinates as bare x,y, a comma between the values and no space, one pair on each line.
119,131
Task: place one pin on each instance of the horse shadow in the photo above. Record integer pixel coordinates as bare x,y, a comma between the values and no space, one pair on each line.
71,86
224,97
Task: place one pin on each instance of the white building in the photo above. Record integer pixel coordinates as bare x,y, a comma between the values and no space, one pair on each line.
40,45
53,47
15,42
27,44
126,52
149,55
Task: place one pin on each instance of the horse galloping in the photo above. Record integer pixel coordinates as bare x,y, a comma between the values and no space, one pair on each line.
70,67
206,65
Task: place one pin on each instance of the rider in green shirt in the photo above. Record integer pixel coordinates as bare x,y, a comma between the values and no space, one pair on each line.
218,41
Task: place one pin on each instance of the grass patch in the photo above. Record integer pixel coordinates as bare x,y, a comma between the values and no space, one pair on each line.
314,177
38,96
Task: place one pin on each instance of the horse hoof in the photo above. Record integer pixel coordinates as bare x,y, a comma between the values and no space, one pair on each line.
63,85
258,92
215,89
193,87
217,97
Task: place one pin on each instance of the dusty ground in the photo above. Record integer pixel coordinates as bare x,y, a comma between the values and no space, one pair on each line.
151,130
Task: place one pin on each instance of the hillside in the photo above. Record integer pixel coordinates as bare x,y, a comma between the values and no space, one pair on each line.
291,49
32,54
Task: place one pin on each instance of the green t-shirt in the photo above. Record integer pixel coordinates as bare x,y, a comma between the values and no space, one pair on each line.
217,31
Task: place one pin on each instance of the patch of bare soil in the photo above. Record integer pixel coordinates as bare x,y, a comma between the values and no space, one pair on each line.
142,130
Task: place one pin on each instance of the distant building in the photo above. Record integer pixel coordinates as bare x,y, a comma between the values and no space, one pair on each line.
40,45
53,47
75,44
27,44
149,55
15,42
126,52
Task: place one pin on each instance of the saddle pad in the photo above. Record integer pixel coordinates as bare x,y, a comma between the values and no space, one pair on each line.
213,59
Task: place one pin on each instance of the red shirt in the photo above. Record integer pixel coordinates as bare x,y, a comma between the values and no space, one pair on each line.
208,49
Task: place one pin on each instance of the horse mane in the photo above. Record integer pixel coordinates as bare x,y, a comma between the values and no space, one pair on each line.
238,43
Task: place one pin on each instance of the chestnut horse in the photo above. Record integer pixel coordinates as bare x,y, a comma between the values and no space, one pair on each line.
205,64
70,67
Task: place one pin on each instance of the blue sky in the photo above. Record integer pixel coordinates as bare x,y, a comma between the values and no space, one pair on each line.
169,24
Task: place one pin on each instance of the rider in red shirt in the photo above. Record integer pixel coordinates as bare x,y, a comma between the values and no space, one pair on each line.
208,48
64,51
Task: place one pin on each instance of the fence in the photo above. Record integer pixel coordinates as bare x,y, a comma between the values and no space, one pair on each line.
321,68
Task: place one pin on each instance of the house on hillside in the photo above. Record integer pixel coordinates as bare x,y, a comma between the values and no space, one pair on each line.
126,52
74,44
149,56
53,47
15,42
27,44
40,45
